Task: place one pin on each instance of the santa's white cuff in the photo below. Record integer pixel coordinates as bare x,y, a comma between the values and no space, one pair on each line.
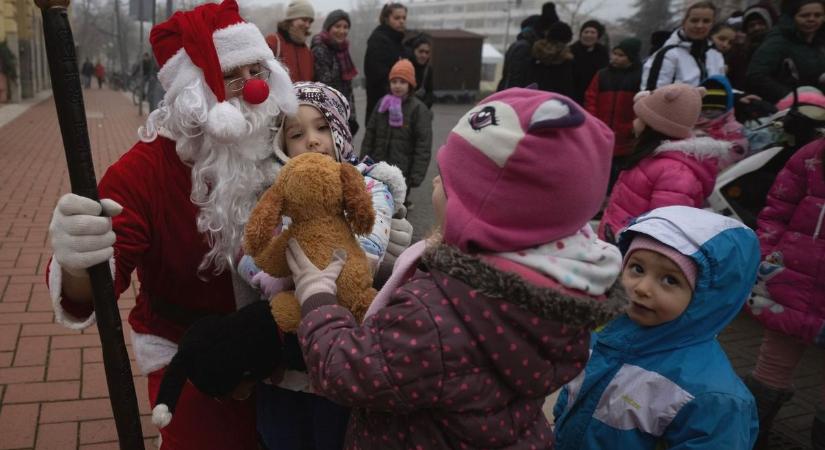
62,316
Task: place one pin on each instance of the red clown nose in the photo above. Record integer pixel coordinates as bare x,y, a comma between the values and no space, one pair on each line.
255,91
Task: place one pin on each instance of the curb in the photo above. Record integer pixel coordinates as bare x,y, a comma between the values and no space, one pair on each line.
11,111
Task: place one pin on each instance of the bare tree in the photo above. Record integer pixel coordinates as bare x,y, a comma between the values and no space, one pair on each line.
577,12
650,16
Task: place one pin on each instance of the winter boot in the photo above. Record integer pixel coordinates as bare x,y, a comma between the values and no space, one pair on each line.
768,402
818,429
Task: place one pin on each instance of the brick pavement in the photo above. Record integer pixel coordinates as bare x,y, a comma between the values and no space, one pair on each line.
52,389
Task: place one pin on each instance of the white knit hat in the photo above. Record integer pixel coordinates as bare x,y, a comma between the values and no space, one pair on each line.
299,9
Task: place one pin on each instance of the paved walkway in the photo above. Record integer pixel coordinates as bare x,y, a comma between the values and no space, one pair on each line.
53,392
52,388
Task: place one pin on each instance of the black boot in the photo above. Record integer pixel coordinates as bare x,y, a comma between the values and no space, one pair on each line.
818,429
768,402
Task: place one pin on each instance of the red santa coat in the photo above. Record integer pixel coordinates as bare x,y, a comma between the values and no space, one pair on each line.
157,236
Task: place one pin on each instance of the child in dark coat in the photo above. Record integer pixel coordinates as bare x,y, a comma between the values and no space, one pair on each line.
400,130
478,325
611,92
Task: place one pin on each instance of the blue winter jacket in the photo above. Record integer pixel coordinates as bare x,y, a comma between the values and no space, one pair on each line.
671,385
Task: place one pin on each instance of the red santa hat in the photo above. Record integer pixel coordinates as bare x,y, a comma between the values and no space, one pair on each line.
206,42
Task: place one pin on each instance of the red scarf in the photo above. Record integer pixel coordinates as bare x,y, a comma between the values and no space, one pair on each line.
348,70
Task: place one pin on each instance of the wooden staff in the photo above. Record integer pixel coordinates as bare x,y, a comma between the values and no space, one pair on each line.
71,113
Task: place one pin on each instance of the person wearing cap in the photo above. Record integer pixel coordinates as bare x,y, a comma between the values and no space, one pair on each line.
757,21
288,44
610,95
384,48
688,55
518,61
290,415
589,57
553,60
793,53
657,376
669,165
175,205
333,63
400,131
480,322
718,119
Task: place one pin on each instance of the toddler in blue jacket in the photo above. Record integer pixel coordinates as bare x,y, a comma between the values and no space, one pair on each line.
657,376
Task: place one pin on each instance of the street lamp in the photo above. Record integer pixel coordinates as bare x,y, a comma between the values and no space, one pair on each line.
509,16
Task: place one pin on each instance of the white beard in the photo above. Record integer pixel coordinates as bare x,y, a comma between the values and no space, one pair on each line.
227,178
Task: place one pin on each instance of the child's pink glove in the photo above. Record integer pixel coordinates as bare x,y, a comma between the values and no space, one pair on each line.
270,285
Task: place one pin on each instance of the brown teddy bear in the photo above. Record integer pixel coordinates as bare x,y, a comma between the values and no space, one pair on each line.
327,203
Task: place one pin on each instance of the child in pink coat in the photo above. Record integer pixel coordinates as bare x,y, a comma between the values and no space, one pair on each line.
717,119
789,298
668,166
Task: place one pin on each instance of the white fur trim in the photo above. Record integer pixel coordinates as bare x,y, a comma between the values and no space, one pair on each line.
281,86
55,292
225,122
152,352
297,381
178,72
161,415
699,147
393,178
240,44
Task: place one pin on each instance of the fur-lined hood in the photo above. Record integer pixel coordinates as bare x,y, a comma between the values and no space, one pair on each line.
546,303
551,52
701,148
392,177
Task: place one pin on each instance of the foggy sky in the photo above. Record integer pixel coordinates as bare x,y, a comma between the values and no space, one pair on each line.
612,9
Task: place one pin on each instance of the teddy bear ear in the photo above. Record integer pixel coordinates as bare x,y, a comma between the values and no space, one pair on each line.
357,201
264,219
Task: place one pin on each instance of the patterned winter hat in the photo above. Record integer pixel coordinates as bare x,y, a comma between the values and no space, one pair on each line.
719,94
335,109
521,169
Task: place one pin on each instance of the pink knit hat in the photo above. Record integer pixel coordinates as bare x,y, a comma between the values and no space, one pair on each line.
685,263
523,168
671,110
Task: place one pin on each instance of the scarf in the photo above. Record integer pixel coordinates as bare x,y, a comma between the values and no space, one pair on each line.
392,104
348,70
580,261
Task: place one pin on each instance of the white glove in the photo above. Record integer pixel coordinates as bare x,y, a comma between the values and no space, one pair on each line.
309,280
80,236
400,234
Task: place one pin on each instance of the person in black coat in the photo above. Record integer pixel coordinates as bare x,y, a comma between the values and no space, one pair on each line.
384,48
421,48
518,60
589,57
553,66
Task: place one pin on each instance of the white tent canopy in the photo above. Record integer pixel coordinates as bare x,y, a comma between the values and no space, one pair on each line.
489,55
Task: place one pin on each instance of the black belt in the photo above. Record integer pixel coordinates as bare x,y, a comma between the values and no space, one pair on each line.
177,314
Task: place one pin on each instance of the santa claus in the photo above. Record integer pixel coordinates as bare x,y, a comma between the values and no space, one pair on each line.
175,205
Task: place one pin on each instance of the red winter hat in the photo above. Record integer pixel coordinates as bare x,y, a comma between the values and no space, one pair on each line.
215,38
